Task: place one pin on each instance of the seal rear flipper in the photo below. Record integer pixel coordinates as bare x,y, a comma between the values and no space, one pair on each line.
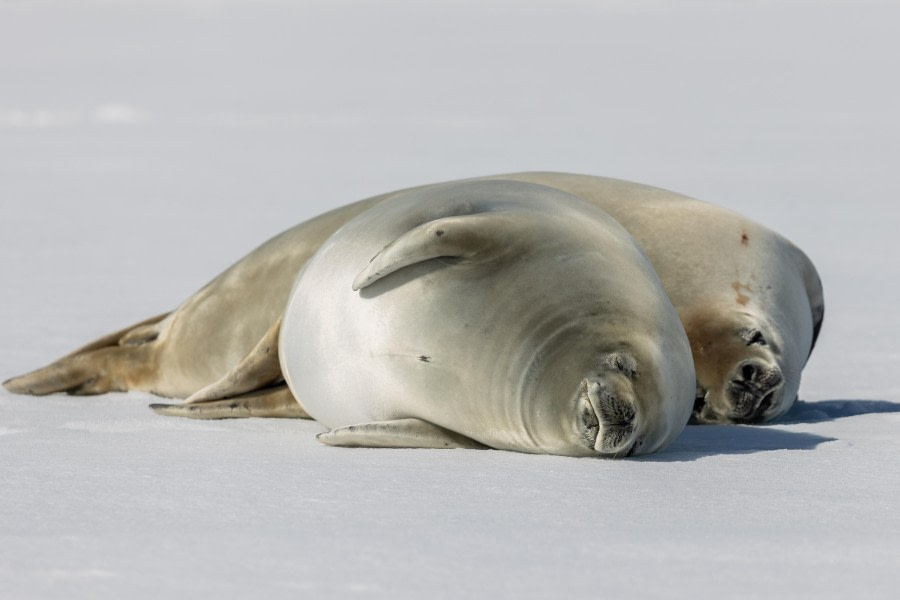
277,401
116,362
402,433
481,236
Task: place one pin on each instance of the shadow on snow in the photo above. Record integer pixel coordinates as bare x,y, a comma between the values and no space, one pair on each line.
698,441
829,410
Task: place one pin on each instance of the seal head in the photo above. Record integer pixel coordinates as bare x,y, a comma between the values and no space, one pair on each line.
741,370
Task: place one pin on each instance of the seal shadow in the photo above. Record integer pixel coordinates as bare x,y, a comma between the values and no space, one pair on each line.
830,410
698,441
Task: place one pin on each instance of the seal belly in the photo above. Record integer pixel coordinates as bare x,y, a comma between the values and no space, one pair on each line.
413,363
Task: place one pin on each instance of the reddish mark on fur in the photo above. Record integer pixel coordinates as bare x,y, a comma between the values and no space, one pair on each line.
741,299
745,239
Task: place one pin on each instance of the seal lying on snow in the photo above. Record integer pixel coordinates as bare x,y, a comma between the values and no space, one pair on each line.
495,313
750,300
503,312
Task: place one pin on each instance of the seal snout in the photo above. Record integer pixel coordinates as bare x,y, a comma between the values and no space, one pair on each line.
754,390
609,417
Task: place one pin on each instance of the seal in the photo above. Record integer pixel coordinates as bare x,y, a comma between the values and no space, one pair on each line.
751,303
750,300
503,313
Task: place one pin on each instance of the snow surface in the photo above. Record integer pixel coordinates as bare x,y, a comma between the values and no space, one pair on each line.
145,145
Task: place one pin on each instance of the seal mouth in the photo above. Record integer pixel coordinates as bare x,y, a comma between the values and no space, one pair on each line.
766,403
747,410
752,402
758,414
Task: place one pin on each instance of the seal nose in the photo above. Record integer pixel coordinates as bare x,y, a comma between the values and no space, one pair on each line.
609,417
754,389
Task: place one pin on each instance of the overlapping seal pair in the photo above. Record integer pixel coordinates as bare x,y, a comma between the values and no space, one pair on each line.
513,312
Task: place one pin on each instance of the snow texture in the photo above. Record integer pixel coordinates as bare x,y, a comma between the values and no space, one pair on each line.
144,146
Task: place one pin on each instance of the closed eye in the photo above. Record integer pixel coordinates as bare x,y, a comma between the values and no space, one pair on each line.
753,336
623,363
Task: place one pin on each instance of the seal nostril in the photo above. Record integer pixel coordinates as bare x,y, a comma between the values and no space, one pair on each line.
748,371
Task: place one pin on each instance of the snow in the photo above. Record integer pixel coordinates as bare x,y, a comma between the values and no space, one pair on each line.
146,145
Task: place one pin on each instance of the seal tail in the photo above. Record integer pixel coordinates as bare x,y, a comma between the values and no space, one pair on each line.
112,363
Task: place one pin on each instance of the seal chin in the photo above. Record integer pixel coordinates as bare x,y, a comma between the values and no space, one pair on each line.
752,394
607,417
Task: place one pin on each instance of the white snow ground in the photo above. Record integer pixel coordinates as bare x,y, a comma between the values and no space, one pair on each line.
146,145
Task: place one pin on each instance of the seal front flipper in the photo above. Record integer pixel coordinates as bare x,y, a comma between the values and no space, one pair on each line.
402,433
277,401
474,237
258,369
253,388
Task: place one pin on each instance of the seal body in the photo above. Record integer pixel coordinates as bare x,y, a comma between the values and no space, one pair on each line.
508,313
